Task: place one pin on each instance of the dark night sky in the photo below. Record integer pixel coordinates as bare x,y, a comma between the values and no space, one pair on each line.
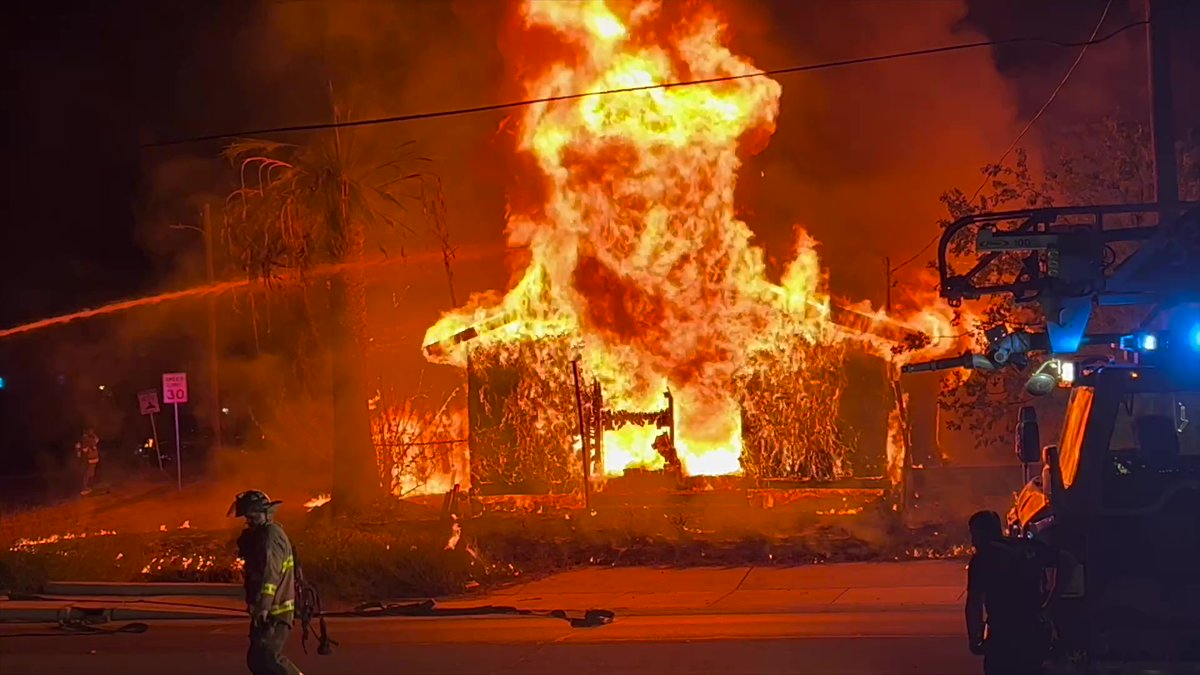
89,82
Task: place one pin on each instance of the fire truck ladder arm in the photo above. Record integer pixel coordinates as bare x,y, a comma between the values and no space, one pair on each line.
1069,268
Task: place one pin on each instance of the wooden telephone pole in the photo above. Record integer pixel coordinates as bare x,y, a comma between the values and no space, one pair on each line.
1158,43
213,360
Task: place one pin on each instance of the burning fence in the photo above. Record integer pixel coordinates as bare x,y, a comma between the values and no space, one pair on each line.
641,273
422,451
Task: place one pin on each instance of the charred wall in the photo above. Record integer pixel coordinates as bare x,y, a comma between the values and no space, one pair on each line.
522,416
824,417
821,417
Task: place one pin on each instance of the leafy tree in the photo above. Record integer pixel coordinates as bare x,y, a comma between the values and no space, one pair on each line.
1106,161
303,207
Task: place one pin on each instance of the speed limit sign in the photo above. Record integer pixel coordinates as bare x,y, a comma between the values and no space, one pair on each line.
175,388
175,392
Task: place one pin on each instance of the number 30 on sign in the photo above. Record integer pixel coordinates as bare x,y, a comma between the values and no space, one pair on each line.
175,388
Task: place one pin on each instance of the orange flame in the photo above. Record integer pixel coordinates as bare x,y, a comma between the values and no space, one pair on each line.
637,252
316,502
31,544
421,452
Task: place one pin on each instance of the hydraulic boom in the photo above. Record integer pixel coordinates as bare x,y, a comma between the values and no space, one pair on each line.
1068,262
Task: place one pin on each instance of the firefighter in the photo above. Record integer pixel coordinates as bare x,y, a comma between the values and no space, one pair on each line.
88,451
270,583
1008,591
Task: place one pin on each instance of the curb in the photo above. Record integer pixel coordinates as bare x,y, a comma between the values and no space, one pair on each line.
48,613
84,588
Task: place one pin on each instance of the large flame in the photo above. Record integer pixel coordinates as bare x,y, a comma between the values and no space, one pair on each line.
637,251
421,451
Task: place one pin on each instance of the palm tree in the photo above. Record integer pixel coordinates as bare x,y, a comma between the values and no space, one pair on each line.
299,207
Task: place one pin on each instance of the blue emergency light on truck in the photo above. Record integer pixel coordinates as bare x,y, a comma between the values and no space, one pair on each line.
1181,343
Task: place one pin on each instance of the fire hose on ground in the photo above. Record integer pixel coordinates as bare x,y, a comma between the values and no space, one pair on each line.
87,621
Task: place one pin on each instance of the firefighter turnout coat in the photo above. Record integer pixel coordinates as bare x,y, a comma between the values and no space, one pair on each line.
270,577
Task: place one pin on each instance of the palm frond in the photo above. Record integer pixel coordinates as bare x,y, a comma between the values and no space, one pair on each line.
297,206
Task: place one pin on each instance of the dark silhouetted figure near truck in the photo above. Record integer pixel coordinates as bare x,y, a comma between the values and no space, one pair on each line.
1010,585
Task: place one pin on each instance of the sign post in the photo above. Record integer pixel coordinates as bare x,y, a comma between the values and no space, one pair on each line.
148,405
175,391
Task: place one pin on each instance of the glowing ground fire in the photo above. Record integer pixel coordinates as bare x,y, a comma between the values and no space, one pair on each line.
637,253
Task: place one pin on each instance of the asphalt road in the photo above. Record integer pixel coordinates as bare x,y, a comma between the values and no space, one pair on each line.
929,642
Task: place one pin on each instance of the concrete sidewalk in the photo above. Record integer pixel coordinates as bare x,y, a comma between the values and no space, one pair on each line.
628,591
740,590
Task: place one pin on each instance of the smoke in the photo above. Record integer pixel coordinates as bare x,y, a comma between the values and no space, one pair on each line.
372,59
308,62
862,153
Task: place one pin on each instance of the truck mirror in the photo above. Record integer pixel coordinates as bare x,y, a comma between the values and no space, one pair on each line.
1028,441
1050,454
1050,468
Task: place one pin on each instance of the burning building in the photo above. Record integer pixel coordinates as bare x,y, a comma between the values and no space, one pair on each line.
644,310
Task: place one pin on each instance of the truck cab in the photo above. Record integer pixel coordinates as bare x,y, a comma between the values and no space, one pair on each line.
1120,493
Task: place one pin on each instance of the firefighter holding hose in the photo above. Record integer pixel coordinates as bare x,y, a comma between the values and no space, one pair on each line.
270,582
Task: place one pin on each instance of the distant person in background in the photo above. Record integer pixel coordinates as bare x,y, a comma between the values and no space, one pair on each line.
88,451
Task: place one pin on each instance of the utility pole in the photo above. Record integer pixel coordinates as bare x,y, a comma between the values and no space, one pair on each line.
583,440
213,361
1158,42
887,278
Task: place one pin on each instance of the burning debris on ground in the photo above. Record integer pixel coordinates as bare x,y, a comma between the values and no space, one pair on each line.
317,502
31,544
179,555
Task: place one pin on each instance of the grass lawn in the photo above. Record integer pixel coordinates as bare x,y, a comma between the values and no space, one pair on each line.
405,550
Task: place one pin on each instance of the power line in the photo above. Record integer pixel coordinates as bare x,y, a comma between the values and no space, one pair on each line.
1053,95
918,254
1079,57
625,90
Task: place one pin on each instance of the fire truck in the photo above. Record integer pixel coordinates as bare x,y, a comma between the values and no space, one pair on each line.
1119,491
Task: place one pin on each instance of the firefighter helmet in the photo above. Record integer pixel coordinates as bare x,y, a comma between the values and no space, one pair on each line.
252,501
